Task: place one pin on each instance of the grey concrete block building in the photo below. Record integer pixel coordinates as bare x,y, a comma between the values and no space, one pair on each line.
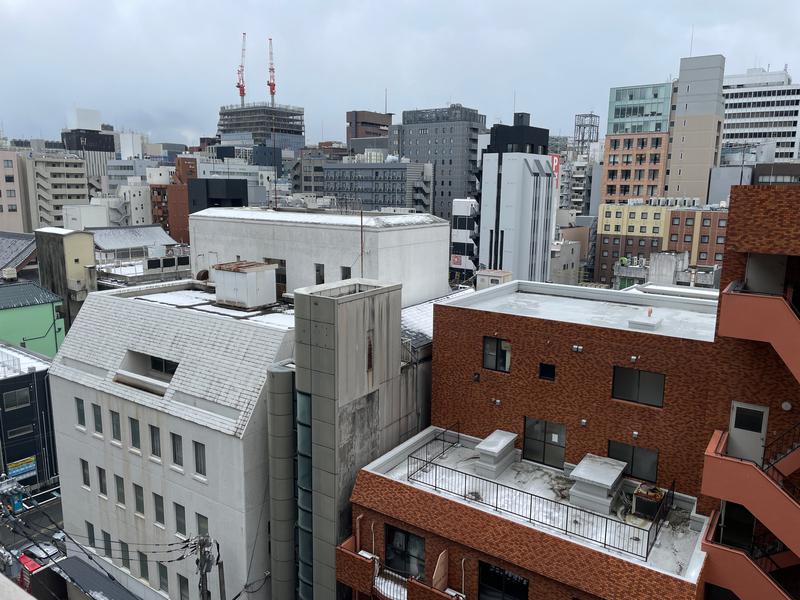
448,138
372,186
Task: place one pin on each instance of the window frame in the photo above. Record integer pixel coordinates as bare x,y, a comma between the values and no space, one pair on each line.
201,455
629,470
492,349
16,405
80,410
617,393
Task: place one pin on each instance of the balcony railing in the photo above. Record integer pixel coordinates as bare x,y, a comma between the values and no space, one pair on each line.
601,529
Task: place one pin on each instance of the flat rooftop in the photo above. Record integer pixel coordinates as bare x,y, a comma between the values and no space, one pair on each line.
329,218
17,361
689,316
676,550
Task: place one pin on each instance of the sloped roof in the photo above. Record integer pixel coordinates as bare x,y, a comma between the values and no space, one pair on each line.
16,248
222,360
416,322
118,238
25,293
94,581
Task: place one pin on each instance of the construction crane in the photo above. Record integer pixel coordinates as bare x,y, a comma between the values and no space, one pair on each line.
271,84
240,72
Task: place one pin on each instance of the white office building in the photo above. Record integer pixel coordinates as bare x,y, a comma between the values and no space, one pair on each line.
311,248
761,108
462,246
519,201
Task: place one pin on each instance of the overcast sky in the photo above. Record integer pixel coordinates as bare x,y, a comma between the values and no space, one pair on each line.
164,68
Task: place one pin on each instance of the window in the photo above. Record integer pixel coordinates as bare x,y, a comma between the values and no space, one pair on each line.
606,227
706,222
199,458
673,237
138,499
97,415
547,371
689,221
618,214
642,229
720,239
85,473
544,442
162,365
80,411
16,399
180,518
642,242
125,555
155,441
642,462
687,238
498,584
346,272
134,426
631,228
202,524
608,214
644,387
119,483
177,449
19,431
319,273
158,502
12,207
496,354
101,481
703,255
654,243
656,230
676,221
116,429
629,242
405,552
722,223
8,164
106,543
703,239
163,577
144,573
718,256
183,588
90,534
615,241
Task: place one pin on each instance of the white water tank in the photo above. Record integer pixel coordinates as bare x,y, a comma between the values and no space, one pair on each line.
245,284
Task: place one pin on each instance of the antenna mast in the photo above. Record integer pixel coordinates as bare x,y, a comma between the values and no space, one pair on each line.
271,84
240,72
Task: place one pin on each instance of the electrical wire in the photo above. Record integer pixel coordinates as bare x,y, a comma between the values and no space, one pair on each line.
253,549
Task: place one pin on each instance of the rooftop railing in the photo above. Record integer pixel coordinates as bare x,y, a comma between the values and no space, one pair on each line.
600,529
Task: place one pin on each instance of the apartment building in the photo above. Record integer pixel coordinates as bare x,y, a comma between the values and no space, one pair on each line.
371,186
367,124
700,231
51,181
761,109
119,171
590,443
463,251
12,217
448,138
636,143
696,125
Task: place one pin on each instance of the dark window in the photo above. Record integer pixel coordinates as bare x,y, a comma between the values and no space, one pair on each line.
180,518
199,458
120,485
138,497
202,524
158,503
144,573
498,584
155,441
496,354
16,399
163,577
345,272
547,371
90,534
134,426
106,543
101,481
405,553
116,428
163,365
644,387
177,449
85,473
544,442
97,414
642,462
125,555
319,273
81,413
748,419
183,587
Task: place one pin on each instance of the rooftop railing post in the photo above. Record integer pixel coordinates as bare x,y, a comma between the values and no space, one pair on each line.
605,534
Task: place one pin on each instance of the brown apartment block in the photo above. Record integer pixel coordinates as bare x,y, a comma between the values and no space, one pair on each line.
675,390
700,232
366,123
170,203
635,166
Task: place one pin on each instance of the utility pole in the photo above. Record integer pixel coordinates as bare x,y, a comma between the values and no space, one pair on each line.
204,564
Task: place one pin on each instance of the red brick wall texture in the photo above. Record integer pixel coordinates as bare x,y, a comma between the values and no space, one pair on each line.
555,568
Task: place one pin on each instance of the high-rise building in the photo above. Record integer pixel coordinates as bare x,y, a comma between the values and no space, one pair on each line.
51,181
281,126
367,124
695,126
762,108
463,251
663,139
372,186
448,138
518,201
609,443
12,214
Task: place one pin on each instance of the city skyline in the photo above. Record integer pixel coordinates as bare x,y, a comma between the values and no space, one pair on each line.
166,72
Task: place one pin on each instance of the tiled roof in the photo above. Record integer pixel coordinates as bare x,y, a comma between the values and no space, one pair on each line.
25,293
416,322
118,238
222,361
15,248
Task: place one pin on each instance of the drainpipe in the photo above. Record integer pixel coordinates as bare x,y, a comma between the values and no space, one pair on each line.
463,592
372,527
358,532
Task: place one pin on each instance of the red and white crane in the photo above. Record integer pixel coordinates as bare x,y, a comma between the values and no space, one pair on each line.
240,72
271,84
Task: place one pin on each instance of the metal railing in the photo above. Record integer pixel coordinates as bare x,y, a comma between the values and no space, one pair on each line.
389,584
606,531
781,446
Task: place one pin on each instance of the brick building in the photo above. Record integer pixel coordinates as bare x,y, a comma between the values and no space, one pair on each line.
170,201
534,385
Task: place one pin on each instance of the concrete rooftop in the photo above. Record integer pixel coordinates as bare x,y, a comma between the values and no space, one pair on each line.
690,317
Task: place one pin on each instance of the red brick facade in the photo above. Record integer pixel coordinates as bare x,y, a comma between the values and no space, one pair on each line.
548,562
701,233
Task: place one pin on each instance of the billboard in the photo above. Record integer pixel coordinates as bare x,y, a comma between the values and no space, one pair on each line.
22,468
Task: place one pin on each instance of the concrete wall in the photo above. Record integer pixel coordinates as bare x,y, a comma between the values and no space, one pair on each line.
230,497
417,256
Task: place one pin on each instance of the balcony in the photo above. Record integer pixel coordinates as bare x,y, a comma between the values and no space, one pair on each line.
763,490
761,317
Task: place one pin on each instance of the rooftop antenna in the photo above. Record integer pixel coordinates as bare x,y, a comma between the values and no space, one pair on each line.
240,72
271,84
385,100
691,41
515,102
